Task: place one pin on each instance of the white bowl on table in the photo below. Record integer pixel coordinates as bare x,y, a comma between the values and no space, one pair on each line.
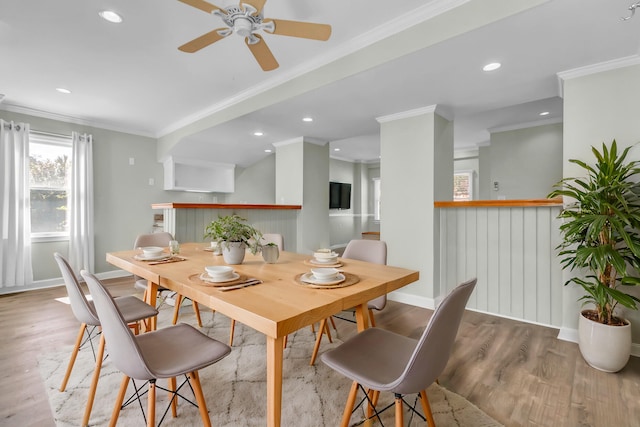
152,251
326,256
325,273
219,272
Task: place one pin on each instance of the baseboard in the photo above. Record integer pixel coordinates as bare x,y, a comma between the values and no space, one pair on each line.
54,283
412,299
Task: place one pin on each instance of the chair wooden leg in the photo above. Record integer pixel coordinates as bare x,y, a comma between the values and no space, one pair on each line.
118,405
202,404
351,400
372,319
196,310
399,415
176,307
173,397
284,341
94,382
233,327
373,396
333,323
74,354
316,347
151,405
426,408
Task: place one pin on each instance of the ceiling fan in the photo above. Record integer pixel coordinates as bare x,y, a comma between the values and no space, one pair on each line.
245,20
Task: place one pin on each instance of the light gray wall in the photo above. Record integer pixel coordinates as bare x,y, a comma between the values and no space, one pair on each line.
123,195
525,162
599,108
256,183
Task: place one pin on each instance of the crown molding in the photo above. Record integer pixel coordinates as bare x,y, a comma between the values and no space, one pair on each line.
427,11
600,67
437,109
525,125
70,119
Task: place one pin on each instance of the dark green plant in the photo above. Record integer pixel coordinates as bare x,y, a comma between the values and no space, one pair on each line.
233,228
600,230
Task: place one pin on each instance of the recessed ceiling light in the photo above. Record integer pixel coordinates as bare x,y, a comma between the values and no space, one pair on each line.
258,133
267,151
63,90
336,149
544,113
307,119
492,66
111,16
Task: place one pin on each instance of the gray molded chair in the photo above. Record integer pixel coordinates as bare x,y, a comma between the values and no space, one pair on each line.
374,251
133,311
161,239
380,360
167,353
278,239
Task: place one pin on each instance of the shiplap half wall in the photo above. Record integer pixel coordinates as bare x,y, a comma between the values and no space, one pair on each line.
512,252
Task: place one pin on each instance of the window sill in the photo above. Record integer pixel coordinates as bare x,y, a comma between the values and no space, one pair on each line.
46,238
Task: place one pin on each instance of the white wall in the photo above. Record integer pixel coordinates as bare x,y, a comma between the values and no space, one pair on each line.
598,108
256,183
525,162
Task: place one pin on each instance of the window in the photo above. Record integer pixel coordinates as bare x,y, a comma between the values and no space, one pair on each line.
376,199
49,168
463,186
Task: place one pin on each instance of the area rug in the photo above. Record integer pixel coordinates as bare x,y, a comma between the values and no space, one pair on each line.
235,387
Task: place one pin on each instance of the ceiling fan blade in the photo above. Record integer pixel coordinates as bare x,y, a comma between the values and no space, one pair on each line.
202,41
202,5
263,54
307,30
258,4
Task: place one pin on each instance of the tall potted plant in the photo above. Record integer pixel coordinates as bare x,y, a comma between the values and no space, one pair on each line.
600,235
233,235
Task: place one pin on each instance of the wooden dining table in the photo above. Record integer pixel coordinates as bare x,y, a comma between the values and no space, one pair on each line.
278,306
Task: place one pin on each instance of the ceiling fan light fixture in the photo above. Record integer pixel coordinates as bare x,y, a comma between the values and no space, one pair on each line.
111,16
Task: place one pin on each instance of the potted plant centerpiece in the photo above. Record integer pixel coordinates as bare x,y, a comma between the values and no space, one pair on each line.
233,235
600,235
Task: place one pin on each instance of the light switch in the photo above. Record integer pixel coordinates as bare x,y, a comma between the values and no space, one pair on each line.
132,161
152,181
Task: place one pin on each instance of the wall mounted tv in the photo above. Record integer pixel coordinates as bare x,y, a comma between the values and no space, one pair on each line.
339,195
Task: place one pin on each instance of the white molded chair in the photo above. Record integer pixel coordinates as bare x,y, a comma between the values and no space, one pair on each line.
379,360
133,311
374,251
161,239
167,353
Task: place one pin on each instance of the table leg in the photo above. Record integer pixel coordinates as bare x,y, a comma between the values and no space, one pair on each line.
362,316
274,380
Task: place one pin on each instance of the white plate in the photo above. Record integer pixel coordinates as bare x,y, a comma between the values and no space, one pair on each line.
205,277
143,257
324,262
310,278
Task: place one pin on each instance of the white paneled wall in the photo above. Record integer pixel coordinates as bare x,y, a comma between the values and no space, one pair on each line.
189,224
512,252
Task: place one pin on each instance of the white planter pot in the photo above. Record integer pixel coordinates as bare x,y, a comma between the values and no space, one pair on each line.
604,347
233,252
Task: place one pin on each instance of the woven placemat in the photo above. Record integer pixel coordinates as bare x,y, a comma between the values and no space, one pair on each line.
195,278
334,265
349,279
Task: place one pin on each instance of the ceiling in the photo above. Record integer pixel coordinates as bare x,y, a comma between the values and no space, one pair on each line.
131,77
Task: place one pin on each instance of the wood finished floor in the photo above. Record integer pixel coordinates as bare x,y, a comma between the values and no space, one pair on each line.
518,373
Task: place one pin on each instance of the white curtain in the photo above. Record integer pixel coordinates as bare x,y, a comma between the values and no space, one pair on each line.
15,252
81,240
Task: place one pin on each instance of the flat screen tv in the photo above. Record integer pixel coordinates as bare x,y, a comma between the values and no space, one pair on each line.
339,195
